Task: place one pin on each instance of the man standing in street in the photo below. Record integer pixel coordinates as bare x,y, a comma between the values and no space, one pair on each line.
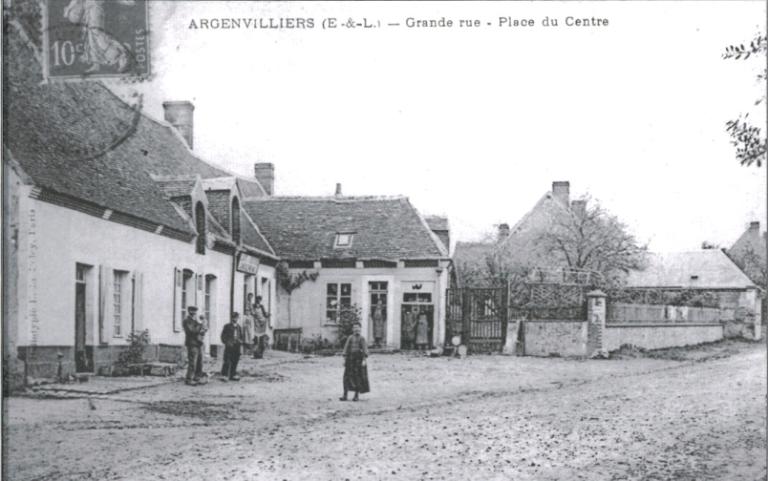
232,338
193,339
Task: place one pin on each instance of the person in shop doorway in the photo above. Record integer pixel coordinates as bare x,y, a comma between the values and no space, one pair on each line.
379,325
422,331
260,317
248,321
409,327
232,338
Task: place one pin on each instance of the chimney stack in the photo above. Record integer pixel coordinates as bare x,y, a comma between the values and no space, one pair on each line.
503,232
180,114
754,225
338,189
265,174
561,190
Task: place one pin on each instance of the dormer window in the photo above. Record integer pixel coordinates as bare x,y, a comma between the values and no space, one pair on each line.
343,240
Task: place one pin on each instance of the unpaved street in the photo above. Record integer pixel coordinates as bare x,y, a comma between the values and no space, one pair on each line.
482,418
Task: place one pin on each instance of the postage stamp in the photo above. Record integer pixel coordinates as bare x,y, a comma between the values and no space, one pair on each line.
95,38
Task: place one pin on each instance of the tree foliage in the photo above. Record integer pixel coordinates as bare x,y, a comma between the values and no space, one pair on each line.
291,281
748,139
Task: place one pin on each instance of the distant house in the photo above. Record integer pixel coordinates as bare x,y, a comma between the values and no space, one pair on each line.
709,270
749,253
471,258
377,253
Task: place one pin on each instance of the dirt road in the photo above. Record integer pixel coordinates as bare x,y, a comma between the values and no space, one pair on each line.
484,418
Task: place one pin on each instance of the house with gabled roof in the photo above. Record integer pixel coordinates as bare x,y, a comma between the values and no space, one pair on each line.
113,225
471,258
709,271
376,253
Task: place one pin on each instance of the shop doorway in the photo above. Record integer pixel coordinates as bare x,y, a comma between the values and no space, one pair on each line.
412,331
377,315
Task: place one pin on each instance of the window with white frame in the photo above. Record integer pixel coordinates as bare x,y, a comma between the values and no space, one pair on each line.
119,302
187,291
338,296
210,298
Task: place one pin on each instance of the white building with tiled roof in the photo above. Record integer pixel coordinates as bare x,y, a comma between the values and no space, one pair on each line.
376,253
113,225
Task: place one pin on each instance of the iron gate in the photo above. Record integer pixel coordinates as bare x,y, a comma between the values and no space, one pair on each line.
479,316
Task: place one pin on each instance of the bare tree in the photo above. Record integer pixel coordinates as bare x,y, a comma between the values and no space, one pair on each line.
586,237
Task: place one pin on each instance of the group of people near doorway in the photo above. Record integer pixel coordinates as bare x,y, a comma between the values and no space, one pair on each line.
415,332
251,336
415,329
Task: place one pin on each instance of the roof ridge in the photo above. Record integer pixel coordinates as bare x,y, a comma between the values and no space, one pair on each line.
179,137
173,178
332,198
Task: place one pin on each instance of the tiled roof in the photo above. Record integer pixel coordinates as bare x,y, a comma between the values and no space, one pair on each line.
752,240
252,236
539,217
250,188
305,228
79,139
709,268
176,186
436,222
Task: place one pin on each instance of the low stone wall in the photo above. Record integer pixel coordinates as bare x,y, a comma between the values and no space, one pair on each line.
657,336
555,338
43,361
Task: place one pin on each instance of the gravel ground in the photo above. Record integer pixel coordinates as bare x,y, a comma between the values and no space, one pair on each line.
482,418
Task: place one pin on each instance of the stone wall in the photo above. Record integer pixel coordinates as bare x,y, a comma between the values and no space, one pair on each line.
657,336
43,361
550,338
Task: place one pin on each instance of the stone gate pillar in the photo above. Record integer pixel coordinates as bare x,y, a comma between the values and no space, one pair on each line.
596,311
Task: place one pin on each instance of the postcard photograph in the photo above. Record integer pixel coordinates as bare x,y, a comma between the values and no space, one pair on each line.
408,240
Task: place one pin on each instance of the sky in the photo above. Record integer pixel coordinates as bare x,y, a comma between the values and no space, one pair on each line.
476,123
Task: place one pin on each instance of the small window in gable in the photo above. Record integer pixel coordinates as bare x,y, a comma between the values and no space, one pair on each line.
343,239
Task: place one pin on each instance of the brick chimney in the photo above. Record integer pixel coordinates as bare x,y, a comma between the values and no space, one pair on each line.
265,174
754,226
561,190
503,232
180,114
338,189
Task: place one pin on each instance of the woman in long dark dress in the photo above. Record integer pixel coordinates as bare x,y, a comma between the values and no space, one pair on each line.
355,369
